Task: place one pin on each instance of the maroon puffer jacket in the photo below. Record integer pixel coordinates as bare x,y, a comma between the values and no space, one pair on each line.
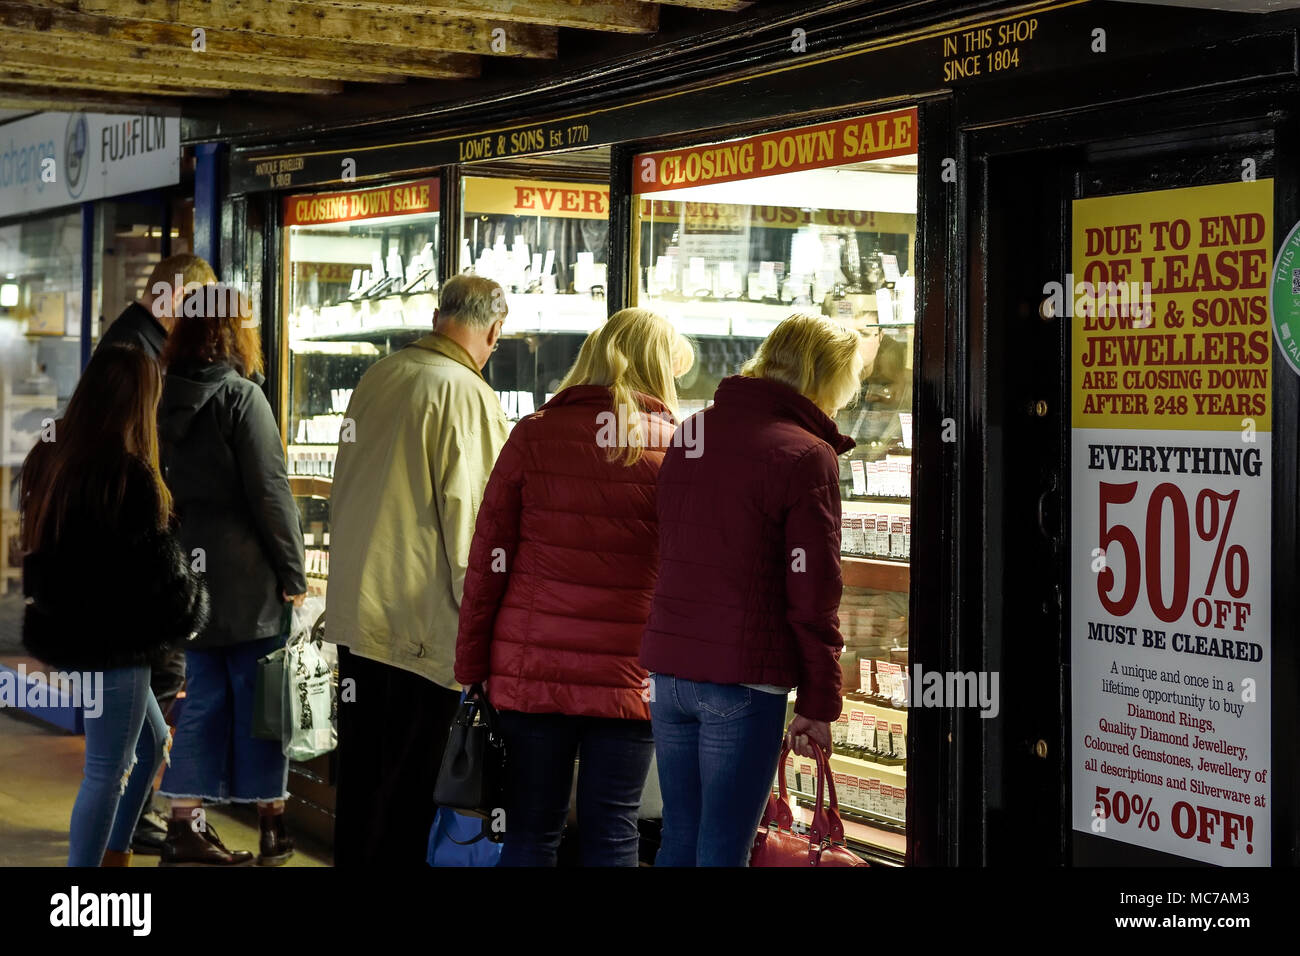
553,620
749,548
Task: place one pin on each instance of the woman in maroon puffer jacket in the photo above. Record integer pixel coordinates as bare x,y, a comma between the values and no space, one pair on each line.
558,589
746,606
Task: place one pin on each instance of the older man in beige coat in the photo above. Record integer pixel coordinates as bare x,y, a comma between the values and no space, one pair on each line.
425,430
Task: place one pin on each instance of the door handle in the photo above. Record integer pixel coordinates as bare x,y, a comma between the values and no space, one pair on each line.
1051,534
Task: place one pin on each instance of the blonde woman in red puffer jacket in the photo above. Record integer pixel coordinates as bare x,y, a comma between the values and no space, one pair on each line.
558,589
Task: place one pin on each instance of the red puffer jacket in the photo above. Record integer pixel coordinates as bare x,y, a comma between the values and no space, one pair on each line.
749,547
563,565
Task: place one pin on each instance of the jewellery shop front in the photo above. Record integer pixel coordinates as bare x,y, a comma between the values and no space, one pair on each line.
1034,646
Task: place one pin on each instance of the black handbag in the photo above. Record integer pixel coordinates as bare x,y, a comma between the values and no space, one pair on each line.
472,777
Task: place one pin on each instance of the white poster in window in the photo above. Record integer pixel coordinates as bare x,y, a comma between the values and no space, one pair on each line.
1170,630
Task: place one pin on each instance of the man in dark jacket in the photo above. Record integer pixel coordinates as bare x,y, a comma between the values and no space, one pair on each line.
144,324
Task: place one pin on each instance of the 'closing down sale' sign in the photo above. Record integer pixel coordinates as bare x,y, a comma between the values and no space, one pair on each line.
1170,638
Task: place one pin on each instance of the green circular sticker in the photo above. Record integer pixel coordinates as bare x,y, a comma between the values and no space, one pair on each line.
1284,298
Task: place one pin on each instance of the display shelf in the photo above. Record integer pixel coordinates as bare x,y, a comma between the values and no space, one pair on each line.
553,312
893,776
370,335
856,763
880,710
882,841
349,318
881,499
880,574
310,486
727,317
847,813
861,506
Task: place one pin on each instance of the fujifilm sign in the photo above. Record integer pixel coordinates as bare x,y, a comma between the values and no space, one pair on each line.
55,159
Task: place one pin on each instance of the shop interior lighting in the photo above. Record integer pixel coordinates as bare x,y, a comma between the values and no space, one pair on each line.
865,188
8,295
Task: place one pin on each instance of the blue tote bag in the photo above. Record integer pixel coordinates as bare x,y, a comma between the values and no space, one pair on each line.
458,840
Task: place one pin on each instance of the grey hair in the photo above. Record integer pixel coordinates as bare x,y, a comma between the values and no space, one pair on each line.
473,301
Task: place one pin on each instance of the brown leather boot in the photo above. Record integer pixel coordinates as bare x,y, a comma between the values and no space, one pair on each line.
116,858
186,847
276,846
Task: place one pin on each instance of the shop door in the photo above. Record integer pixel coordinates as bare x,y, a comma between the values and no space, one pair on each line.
1038,540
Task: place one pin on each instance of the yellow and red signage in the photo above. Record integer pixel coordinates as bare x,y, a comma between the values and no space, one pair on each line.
730,217
809,147
535,197
404,199
326,271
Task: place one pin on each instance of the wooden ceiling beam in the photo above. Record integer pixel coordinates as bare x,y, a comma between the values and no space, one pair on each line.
611,16
143,76
52,20
283,18
28,98
728,5
134,57
52,90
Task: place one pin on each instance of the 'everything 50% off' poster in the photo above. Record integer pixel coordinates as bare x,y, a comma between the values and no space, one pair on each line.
1170,645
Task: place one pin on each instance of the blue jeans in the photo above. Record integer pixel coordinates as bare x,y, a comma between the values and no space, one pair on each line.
125,746
216,757
717,747
613,760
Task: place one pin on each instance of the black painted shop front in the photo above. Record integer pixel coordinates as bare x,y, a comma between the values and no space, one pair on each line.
1022,115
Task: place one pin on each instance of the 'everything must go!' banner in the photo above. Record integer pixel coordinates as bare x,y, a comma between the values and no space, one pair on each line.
1170,634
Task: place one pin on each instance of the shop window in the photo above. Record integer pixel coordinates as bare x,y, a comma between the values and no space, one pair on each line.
361,280
545,241
132,238
732,237
40,319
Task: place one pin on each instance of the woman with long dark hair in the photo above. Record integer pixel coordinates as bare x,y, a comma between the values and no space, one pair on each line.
108,588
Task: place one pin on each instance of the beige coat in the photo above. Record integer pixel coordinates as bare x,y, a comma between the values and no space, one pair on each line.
406,492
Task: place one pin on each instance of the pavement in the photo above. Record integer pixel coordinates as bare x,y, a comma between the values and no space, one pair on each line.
42,771
11,625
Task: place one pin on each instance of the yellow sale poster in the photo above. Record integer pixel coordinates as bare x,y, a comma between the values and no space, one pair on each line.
1171,646
1173,291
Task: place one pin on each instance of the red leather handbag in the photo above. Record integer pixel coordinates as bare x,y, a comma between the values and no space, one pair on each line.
823,844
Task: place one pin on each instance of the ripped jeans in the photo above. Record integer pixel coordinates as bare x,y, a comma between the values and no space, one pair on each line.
125,746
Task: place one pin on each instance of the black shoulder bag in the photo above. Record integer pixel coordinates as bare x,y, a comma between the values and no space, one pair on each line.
471,779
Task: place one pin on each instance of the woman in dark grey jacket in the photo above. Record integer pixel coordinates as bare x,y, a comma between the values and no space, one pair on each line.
240,525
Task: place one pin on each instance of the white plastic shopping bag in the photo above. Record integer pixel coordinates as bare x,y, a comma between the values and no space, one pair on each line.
311,703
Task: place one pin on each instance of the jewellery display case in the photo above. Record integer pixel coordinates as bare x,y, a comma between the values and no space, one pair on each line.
361,279
546,242
729,239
